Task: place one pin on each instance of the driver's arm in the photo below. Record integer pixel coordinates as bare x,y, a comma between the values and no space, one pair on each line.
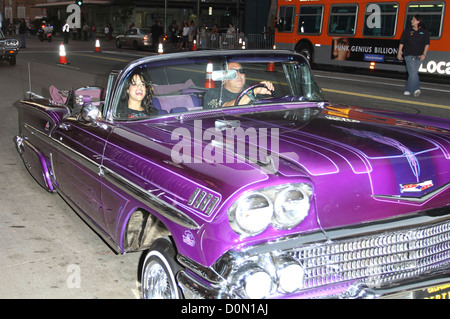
244,100
260,90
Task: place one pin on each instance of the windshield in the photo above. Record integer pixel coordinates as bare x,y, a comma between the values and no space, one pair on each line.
196,84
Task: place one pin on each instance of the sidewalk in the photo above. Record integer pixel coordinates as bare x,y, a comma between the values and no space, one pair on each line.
33,43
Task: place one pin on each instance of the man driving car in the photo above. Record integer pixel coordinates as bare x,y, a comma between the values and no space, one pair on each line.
231,89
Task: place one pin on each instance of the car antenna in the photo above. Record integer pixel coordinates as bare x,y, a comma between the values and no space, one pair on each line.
29,80
31,95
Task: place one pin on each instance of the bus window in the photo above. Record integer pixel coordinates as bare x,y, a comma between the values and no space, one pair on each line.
380,19
432,14
286,19
310,20
343,19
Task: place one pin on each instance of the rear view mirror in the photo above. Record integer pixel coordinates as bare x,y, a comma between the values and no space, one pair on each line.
224,75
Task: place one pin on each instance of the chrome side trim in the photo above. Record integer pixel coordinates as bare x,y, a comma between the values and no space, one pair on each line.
414,199
158,205
420,218
18,141
206,273
195,289
330,235
52,167
130,188
364,292
62,148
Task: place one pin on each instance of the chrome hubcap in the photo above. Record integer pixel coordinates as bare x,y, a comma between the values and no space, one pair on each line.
156,284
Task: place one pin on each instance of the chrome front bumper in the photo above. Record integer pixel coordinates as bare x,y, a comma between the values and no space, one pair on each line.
194,288
391,259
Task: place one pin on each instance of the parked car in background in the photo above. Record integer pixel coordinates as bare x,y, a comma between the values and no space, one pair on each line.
282,195
9,47
137,38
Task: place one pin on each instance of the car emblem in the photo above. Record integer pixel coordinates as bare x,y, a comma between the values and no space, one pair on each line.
416,187
188,238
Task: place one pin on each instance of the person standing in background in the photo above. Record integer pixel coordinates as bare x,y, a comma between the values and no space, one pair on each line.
106,32
110,27
93,32
414,45
157,32
173,29
85,31
66,32
185,36
23,32
192,34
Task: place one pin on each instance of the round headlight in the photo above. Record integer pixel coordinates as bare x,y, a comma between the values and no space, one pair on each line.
258,284
252,214
290,276
291,207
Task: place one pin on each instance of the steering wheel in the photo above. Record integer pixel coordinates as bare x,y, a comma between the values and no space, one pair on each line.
250,93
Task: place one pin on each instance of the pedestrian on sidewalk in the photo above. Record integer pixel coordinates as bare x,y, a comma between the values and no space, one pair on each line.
93,32
157,32
23,32
66,32
192,35
413,47
106,31
185,36
85,31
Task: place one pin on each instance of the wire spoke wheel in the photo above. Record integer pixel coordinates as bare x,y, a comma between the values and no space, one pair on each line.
157,285
159,271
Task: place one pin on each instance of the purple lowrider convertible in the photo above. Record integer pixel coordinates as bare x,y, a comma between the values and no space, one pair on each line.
280,195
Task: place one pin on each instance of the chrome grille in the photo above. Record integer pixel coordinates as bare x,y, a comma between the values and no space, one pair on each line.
378,259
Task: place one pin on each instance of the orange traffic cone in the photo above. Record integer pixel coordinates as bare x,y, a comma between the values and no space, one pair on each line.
271,67
194,45
62,54
97,46
160,49
209,83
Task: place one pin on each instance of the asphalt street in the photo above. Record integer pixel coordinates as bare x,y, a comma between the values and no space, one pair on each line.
47,251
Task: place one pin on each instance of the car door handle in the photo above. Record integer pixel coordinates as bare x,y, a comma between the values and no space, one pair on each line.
64,126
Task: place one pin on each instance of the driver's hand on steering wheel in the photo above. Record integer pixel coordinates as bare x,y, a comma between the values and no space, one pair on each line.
265,90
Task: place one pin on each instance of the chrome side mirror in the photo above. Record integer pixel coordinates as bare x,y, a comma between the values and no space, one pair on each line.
90,114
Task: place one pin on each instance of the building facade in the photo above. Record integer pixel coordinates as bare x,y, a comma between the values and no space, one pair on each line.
120,14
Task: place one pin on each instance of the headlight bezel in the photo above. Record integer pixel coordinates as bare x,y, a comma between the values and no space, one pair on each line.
242,226
276,197
284,220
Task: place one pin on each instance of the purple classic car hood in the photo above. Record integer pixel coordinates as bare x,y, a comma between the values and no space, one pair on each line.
371,164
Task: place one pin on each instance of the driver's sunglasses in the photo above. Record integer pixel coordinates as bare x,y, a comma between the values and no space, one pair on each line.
241,71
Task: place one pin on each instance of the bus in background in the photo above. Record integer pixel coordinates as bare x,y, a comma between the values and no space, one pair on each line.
362,34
